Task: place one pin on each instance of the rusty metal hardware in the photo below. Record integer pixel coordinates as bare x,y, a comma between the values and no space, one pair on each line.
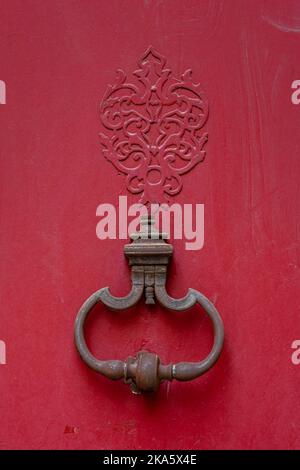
148,255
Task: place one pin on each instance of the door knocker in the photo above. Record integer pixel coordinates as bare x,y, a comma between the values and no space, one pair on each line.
157,123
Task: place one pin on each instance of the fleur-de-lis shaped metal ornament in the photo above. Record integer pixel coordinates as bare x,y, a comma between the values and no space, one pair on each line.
153,135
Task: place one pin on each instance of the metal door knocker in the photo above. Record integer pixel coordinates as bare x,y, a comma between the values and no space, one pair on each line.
156,123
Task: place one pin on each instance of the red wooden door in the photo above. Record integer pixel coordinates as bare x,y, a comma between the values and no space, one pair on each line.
57,59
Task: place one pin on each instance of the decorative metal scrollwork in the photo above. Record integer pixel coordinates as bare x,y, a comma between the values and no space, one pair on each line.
154,127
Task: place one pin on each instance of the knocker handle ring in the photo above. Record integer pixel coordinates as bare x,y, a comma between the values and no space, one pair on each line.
145,371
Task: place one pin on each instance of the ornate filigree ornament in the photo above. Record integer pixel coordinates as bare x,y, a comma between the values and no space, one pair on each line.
154,127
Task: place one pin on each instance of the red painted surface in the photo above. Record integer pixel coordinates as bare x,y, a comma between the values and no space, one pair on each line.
57,59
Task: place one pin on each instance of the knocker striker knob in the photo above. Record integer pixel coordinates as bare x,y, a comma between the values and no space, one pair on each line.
148,256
